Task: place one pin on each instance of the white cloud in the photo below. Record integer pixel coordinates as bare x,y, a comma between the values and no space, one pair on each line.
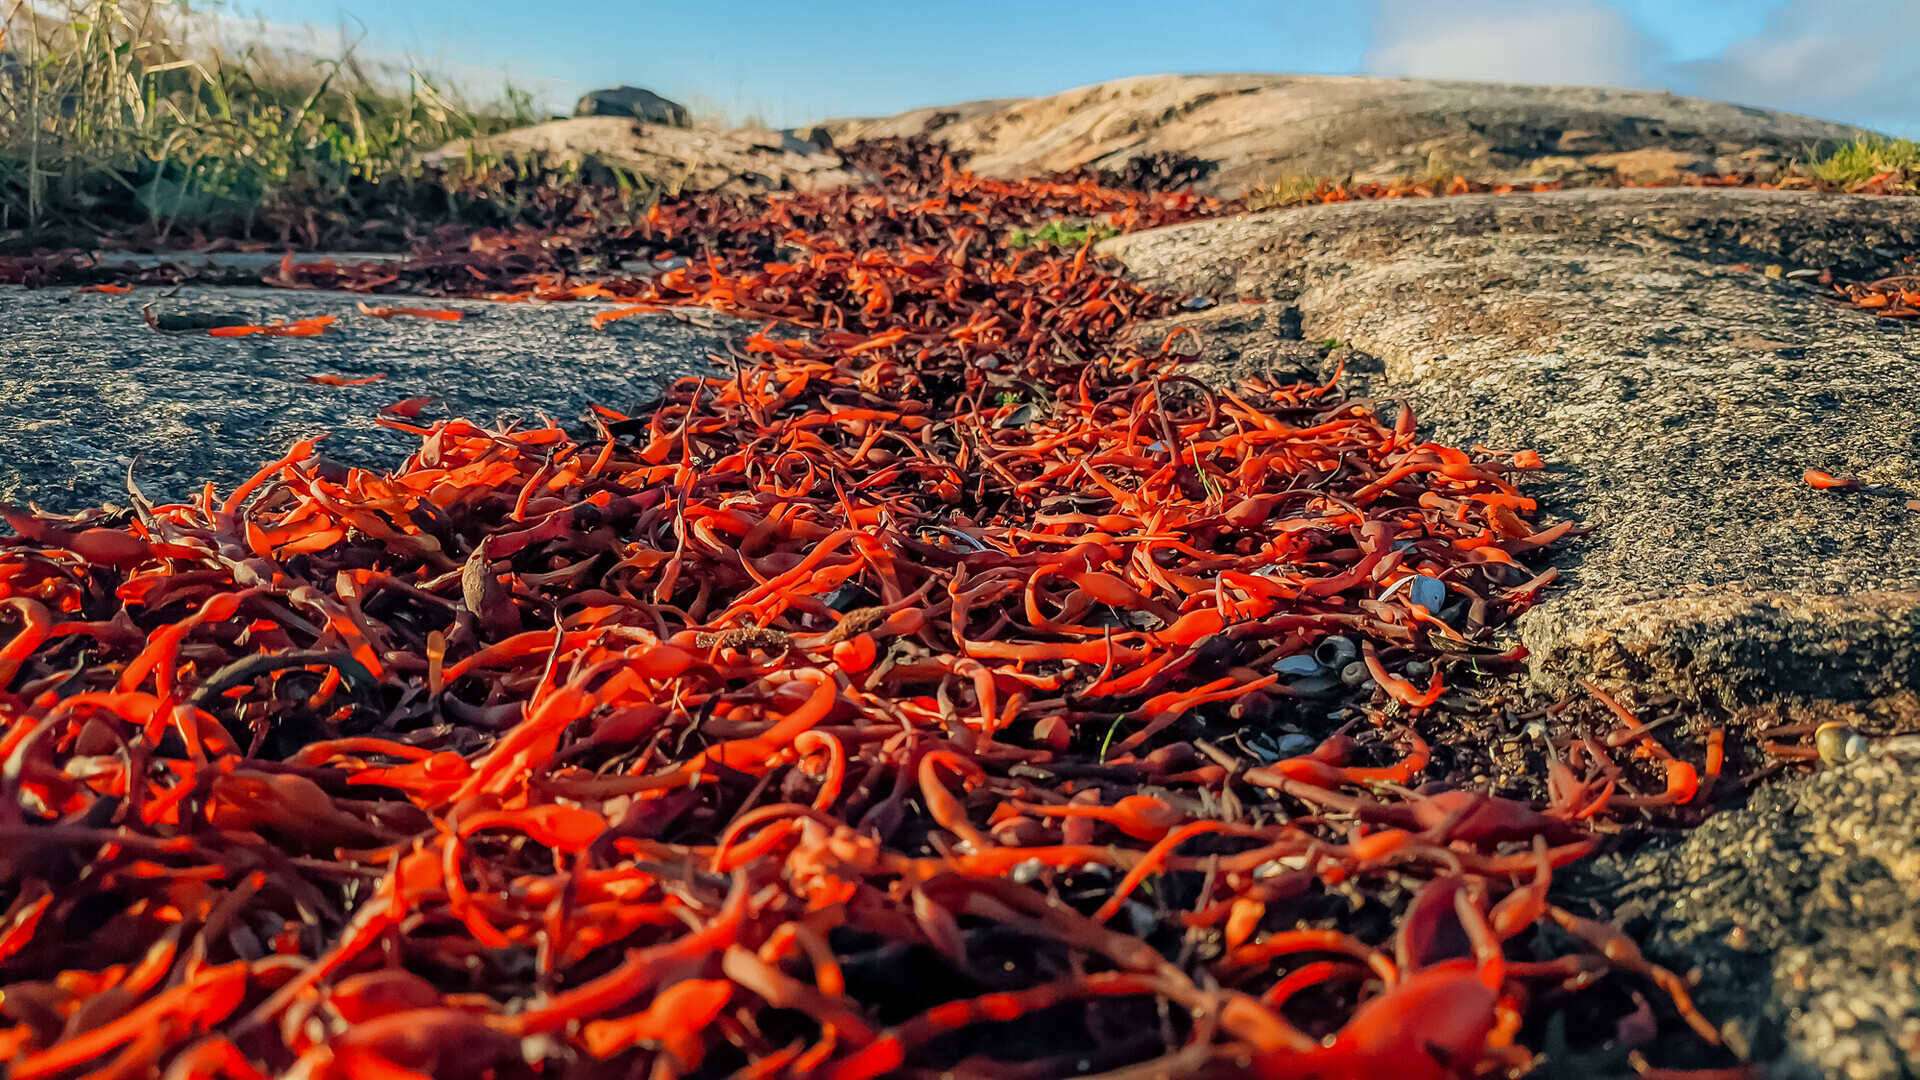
1860,64
1840,61
1580,43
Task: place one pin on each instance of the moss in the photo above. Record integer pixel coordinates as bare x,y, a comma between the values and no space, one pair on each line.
1061,235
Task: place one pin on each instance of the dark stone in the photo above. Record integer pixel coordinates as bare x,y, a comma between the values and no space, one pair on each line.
636,102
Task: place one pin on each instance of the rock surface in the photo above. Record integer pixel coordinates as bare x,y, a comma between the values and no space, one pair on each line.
102,387
1247,130
681,159
1256,129
1676,396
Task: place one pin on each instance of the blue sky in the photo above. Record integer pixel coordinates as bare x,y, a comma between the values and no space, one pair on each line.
792,61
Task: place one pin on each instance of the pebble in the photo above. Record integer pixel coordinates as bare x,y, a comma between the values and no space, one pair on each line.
1297,664
1427,592
1294,743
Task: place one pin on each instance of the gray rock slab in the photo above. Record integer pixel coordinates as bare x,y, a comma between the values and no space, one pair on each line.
1676,397
1257,129
85,385
738,161
240,261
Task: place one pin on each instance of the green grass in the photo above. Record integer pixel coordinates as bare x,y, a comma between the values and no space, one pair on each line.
1864,159
1061,235
1107,743
117,122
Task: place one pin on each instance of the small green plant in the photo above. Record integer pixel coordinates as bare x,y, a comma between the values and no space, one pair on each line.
1870,157
1291,190
1107,743
1058,234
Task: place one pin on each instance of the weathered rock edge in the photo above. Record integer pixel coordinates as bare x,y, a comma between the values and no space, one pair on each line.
1797,913
735,162
1274,253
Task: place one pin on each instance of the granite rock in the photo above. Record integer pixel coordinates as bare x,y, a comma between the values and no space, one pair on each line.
1669,355
1254,129
675,158
1677,391
86,387
1797,915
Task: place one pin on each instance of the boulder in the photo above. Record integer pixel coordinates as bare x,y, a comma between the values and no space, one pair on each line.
1256,129
632,101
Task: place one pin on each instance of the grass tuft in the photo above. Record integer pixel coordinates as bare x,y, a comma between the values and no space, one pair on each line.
116,122
1293,190
1874,159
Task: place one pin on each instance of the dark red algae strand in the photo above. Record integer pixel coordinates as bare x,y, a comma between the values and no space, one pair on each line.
855,713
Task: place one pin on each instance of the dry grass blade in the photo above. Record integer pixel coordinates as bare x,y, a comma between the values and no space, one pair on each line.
131,117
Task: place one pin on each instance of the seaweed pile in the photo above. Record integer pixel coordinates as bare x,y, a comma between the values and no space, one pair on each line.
951,686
